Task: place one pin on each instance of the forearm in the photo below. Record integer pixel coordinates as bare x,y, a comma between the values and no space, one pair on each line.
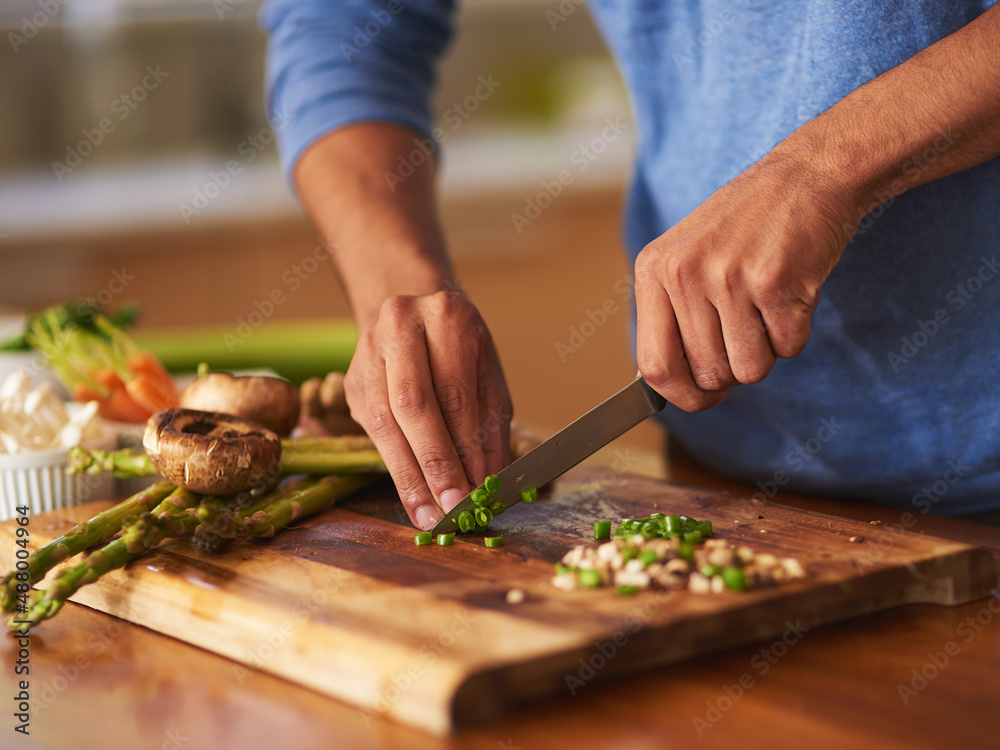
383,233
934,115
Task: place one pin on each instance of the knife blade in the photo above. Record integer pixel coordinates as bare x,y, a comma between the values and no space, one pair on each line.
568,447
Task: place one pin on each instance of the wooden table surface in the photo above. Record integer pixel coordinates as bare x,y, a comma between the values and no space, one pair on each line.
915,677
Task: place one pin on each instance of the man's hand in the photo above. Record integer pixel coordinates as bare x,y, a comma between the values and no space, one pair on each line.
426,385
733,286
425,381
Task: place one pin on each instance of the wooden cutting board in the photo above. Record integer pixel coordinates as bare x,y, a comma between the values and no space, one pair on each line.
346,604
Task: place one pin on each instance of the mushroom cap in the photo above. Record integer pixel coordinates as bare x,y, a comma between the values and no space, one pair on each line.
211,453
267,400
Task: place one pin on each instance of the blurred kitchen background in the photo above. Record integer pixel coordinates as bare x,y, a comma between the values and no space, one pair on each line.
106,222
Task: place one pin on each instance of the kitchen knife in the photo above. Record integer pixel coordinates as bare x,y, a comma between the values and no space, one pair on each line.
569,446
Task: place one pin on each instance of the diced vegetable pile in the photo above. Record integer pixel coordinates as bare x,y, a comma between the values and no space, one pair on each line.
669,552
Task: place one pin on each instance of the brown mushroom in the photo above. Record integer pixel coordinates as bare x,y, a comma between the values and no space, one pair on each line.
267,400
211,453
325,402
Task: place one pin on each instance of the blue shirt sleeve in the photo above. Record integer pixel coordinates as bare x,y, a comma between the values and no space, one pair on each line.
335,62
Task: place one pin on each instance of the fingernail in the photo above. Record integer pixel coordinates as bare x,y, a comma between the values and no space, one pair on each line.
427,517
451,498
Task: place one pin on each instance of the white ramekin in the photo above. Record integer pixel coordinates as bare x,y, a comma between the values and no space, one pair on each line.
38,480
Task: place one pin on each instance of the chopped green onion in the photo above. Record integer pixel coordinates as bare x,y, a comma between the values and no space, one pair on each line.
497,507
711,570
602,529
466,521
422,538
483,516
649,530
627,590
685,551
647,557
446,540
560,568
493,541
492,483
692,537
705,527
481,497
734,578
589,578
529,495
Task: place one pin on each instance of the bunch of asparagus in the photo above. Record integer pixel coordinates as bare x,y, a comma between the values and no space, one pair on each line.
163,511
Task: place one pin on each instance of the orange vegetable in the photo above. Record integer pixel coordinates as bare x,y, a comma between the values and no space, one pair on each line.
121,408
107,377
146,363
151,394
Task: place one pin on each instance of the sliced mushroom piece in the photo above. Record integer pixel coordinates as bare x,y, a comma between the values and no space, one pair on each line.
211,453
269,401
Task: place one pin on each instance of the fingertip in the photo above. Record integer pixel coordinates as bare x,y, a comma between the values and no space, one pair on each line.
427,517
451,498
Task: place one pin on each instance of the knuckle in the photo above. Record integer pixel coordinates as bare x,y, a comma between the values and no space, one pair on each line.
648,263
394,308
656,372
411,399
411,488
379,421
712,380
436,466
751,372
452,399
790,337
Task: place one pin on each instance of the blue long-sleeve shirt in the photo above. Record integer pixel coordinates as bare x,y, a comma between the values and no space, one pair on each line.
895,397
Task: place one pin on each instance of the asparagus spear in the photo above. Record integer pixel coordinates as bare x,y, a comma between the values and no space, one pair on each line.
177,516
139,535
298,456
218,517
98,529
123,464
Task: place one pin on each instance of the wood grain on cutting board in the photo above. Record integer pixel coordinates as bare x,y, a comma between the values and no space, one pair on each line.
346,604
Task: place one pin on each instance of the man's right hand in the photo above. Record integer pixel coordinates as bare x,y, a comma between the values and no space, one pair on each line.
426,384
